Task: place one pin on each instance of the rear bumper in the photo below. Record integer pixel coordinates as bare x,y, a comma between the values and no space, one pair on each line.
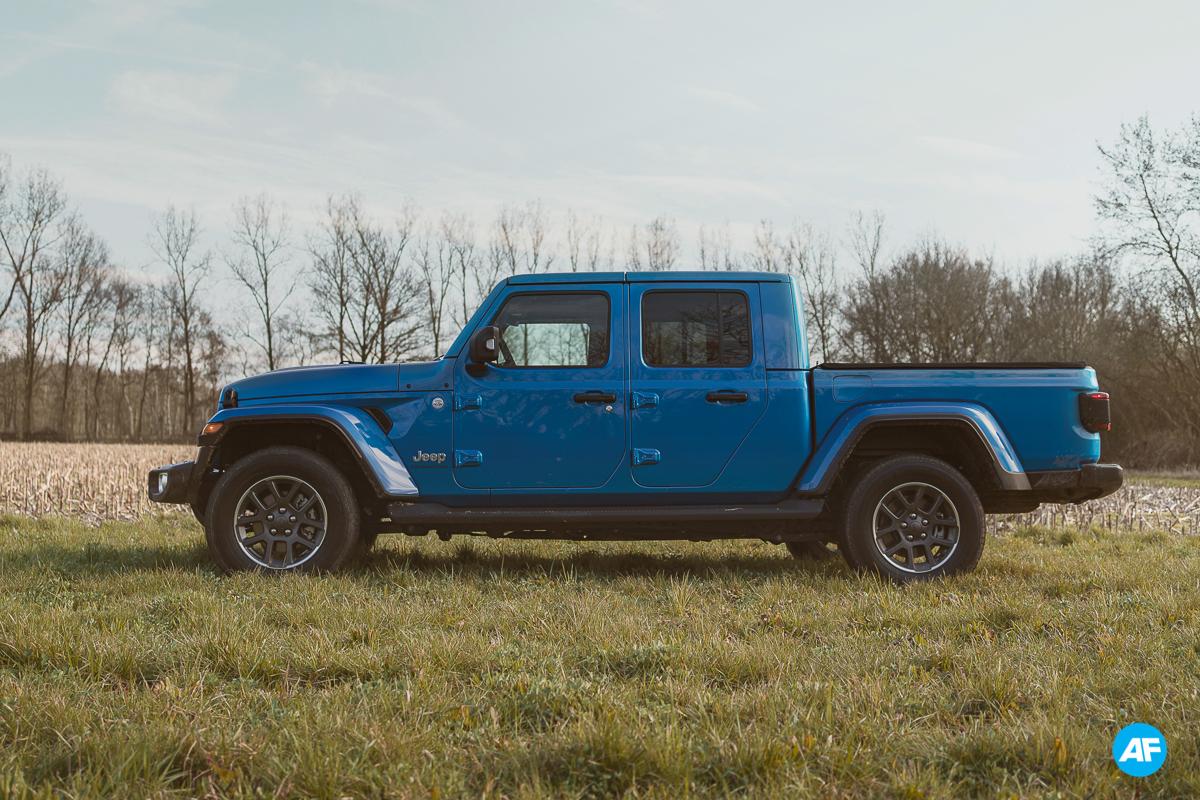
1089,482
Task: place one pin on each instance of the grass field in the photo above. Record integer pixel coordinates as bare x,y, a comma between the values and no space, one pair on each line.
129,668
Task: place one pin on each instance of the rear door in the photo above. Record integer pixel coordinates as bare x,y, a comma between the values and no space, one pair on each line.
697,378
550,413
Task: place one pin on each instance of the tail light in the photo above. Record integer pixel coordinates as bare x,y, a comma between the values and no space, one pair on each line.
1093,411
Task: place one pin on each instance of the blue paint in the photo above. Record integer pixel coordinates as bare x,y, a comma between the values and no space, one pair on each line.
518,436
841,437
363,433
1036,409
531,431
696,438
784,346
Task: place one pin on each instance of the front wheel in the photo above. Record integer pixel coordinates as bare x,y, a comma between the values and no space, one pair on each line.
912,518
282,509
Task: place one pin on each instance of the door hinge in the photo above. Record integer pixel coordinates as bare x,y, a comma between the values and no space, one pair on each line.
644,400
467,402
645,455
468,458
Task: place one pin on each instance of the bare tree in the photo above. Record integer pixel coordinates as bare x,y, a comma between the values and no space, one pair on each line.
83,264
518,242
583,239
331,276
459,234
30,226
367,298
260,266
1151,209
933,303
176,242
390,287
655,249
865,241
633,251
811,257
770,253
122,300
662,244
716,249
156,337
433,255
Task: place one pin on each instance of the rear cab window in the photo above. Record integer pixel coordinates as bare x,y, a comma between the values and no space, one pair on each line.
696,328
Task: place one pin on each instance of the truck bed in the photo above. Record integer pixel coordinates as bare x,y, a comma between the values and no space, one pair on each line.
1035,404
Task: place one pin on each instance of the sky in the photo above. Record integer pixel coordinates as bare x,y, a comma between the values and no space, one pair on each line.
977,121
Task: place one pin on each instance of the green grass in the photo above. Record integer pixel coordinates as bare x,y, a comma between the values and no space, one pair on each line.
485,669
1188,479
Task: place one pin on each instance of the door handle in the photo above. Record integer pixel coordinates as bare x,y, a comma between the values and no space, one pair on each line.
727,397
595,397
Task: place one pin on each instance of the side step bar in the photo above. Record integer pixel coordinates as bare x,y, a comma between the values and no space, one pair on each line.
438,515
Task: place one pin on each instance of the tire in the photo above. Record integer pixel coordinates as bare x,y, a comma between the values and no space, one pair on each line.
310,503
810,550
912,518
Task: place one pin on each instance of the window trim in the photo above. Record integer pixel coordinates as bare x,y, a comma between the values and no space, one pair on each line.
608,306
718,292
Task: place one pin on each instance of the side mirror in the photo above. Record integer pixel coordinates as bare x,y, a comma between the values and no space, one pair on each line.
484,348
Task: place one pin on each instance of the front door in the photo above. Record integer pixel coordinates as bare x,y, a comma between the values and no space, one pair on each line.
697,379
551,412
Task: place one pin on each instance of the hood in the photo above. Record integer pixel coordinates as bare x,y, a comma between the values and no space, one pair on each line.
344,379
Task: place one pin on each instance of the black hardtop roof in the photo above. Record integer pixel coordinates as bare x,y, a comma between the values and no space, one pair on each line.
651,277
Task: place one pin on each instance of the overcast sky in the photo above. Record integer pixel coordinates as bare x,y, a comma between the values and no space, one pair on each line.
977,121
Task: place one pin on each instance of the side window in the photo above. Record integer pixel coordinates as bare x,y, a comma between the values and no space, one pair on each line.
557,329
695,329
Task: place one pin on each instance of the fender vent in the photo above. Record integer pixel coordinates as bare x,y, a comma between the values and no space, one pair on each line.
380,416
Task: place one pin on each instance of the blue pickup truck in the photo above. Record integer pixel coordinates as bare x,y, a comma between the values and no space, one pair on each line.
676,405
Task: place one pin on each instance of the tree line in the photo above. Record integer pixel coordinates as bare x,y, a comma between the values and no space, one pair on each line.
92,350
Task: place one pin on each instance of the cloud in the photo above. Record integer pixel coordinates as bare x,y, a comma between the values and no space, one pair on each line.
336,84
180,97
722,98
966,148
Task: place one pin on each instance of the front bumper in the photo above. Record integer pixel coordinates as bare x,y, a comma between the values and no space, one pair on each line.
179,483
1089,482
171,484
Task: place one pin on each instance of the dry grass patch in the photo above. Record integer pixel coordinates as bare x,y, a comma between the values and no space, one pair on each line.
91,481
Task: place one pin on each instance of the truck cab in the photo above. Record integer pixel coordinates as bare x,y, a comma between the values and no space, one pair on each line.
641,406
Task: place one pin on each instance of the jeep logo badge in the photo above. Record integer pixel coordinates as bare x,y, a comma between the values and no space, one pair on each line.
436,458
438,403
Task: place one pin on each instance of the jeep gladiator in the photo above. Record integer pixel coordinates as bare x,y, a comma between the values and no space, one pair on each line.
674,405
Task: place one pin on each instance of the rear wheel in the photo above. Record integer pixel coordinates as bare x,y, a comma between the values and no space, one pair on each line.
283,509
912,518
